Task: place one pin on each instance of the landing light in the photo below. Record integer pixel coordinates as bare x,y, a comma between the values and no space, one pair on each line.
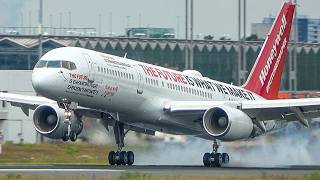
67,113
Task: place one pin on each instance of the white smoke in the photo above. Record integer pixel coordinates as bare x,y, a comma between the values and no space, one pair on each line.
291,146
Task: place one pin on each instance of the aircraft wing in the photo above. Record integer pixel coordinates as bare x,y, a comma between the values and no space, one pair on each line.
32,102
24,102
261,110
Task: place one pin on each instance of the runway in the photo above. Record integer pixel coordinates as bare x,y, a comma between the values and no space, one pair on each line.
158,170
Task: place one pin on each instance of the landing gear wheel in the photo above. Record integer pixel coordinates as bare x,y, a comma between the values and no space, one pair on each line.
123,157
80,128
65,136
206,159
225,158
118,160
73,136
130,157
217,159
112,158
120,157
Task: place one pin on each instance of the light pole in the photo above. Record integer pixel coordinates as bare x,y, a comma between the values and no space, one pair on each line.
99,23
69,14
110,25
29,22
40,28
186,46
293,55
178,27
191,35
60,24
240,42
128,21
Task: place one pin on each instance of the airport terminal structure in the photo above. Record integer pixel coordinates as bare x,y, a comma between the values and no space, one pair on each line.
214,59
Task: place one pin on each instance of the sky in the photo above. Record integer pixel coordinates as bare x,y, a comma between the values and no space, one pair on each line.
214,17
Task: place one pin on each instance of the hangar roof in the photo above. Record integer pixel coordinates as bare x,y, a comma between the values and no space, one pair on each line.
102,44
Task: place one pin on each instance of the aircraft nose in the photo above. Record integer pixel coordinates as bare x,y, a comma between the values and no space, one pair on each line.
35,80
42,81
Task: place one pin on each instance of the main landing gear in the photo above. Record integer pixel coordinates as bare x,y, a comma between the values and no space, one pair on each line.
120,157
215,159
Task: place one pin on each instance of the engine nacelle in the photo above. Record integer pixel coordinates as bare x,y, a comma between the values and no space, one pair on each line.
227,123
48,120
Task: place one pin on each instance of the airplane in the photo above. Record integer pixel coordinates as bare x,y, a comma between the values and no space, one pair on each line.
134,96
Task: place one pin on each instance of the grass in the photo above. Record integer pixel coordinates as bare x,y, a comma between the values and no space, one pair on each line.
66,153
84,153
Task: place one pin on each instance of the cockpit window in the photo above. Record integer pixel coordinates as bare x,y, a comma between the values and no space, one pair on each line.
68,65
61,64
41,64
54,64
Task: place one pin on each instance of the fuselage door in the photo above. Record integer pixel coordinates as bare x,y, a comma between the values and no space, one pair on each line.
91,67
140,80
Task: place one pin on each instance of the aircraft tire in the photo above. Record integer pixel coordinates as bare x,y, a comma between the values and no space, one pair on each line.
217,159
225,158
112,158
80,128
206,159
117,159
123,156
130,157
65,136
73,136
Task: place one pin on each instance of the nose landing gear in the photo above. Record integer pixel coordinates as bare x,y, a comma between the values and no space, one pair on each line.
74,129
215,159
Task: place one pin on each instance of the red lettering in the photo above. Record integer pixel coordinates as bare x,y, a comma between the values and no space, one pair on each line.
160,74
144,68
154,73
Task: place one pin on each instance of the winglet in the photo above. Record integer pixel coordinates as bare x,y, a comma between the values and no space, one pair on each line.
265,77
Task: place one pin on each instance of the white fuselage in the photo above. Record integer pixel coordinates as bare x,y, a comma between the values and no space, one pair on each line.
135,90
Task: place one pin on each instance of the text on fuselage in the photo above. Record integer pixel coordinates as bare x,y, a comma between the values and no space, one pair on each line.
196,82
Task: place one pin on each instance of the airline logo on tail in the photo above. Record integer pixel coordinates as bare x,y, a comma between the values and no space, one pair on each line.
274,50
264,72
265,76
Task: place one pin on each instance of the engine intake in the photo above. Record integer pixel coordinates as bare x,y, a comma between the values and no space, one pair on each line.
48,120
227,123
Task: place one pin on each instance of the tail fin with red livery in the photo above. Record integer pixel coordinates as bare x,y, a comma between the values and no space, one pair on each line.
265,76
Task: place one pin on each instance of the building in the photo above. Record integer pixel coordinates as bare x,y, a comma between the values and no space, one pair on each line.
150,32
304,29
214,59
314,30
15,126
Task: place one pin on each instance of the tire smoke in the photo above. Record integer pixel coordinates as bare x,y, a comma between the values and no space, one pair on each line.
293,145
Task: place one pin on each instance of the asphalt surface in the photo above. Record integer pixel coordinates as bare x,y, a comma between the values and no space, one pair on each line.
158,170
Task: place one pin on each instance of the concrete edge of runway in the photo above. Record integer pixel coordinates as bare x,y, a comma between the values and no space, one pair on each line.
157,170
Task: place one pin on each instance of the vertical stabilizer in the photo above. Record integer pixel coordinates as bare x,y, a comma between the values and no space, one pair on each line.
265,76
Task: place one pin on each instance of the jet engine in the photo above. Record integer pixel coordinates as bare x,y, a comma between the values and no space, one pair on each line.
48,120
227,123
